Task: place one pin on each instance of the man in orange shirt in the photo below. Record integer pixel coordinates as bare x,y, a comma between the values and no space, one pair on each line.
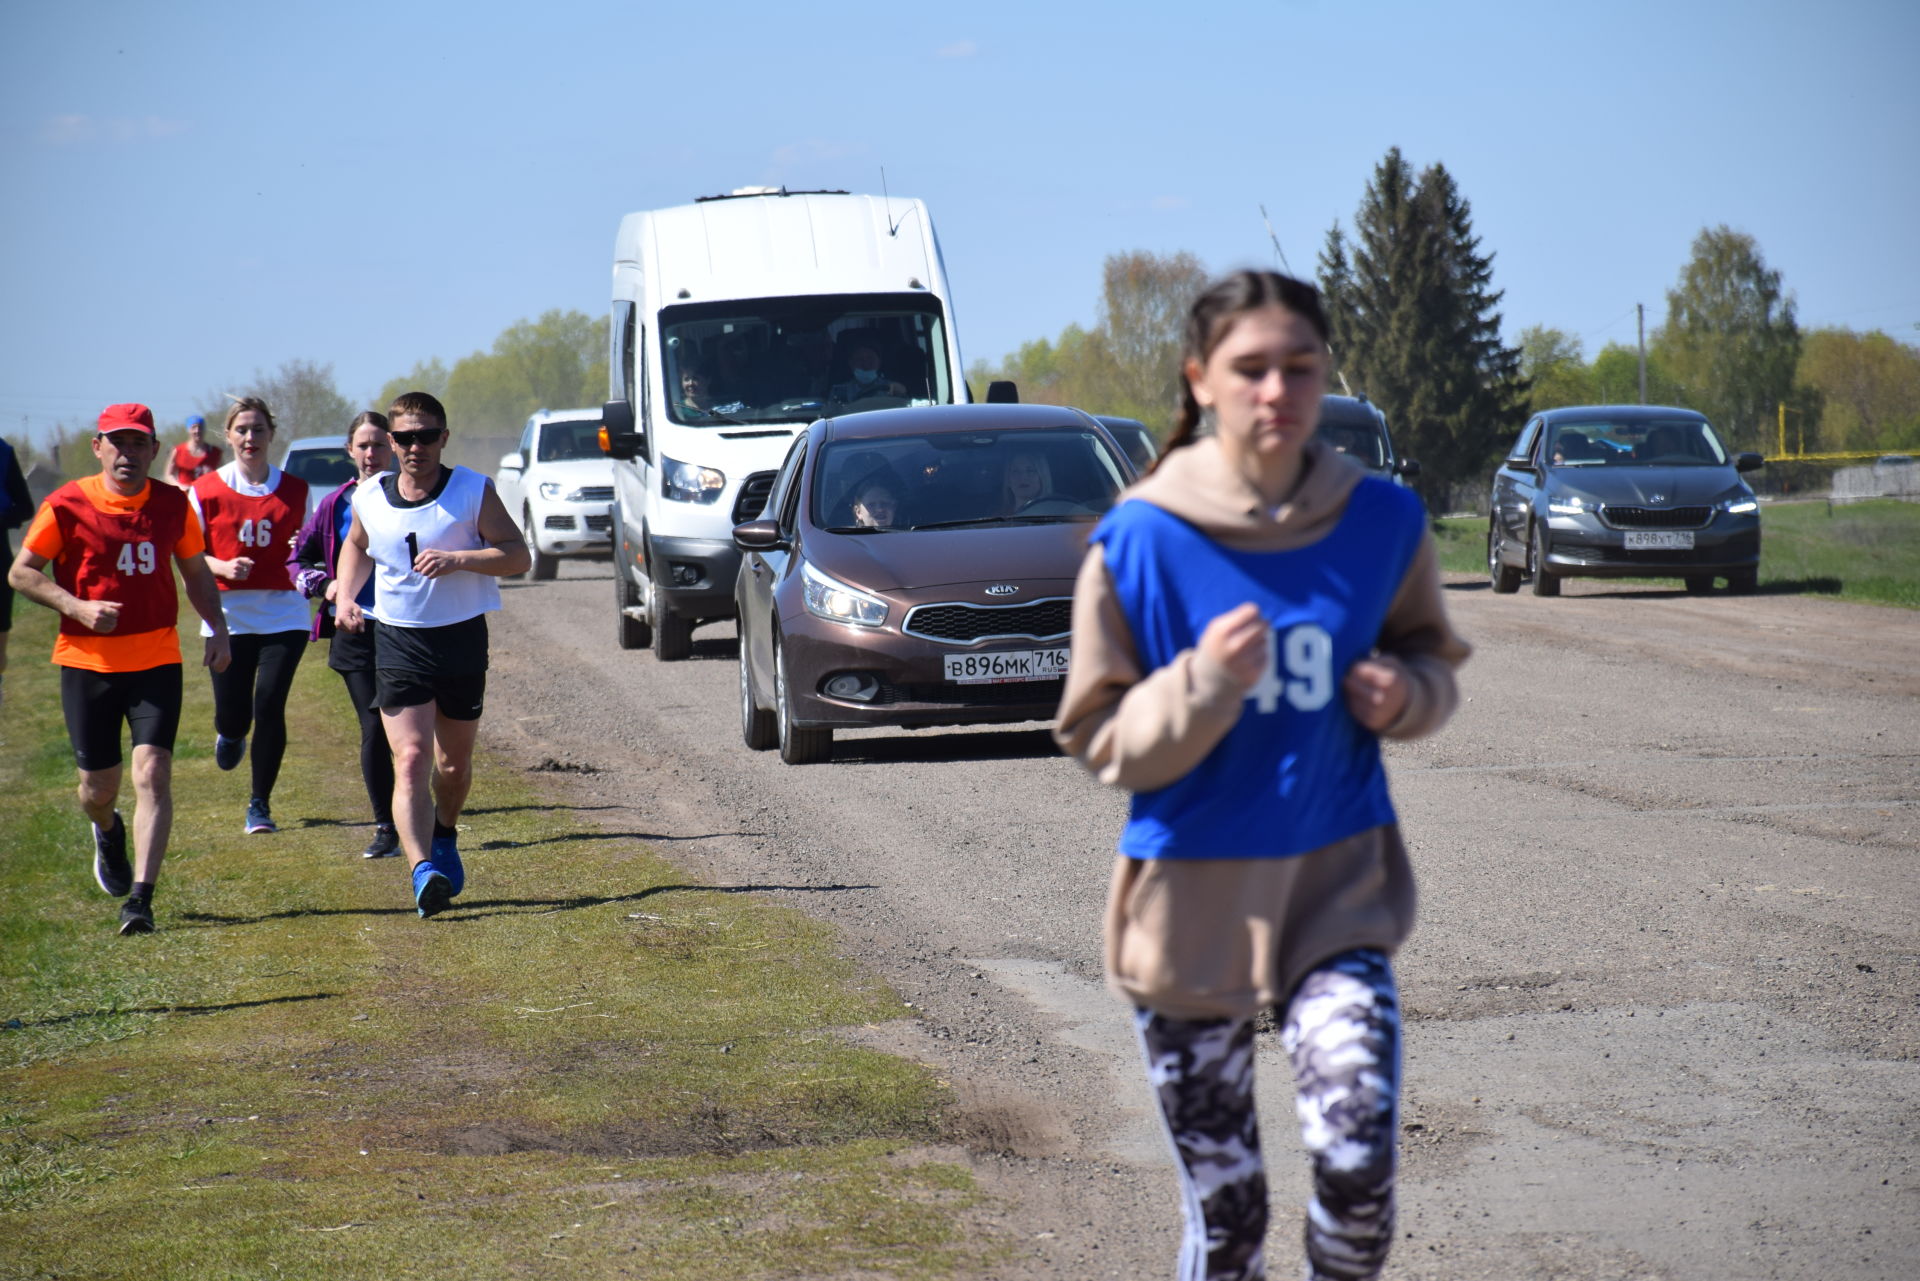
107,538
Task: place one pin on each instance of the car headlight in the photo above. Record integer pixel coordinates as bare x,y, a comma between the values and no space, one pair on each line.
833,600
550,489
1740,505
685,483
1568,505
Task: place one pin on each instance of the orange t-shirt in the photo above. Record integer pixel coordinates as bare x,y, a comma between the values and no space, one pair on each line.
102,577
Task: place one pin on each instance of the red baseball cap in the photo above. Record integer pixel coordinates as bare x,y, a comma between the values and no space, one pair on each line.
125,418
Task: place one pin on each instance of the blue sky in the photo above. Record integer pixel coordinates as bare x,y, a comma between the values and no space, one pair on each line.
195,191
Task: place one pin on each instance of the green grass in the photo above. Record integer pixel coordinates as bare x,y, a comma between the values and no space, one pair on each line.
1867,551
590,1067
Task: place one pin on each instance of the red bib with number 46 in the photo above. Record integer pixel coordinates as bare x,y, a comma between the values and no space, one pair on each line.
255,527
123,556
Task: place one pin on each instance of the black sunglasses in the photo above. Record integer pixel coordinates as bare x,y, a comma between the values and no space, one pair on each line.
425,436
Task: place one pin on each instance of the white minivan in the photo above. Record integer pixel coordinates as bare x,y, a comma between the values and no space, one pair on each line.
737,320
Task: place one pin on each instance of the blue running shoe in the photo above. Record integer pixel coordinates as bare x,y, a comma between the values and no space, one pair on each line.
432,892
228,752
445,855
259,819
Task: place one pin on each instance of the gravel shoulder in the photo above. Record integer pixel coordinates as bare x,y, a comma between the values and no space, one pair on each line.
1662,1001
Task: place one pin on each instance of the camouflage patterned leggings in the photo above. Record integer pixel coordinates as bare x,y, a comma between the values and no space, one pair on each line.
1342,1031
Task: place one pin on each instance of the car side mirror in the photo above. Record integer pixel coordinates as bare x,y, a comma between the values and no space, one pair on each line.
1407,467
1749,462
1003,391
619,438
759,536
512,462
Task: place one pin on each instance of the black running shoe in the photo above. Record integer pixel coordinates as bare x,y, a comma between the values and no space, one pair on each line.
136,916
228,752
110,866
385,842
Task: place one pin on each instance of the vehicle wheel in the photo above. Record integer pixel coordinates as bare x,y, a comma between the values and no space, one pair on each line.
545,566
1504,577
1699,584
758,728
797,746
1743,582
672,634
1544,584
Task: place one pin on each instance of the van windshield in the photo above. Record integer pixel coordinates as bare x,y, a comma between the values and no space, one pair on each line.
773,360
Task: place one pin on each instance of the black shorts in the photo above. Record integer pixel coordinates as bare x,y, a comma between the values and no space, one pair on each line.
353,651
6,588
97,703
459,698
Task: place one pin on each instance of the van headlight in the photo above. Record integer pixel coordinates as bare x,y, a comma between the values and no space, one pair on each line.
833,600
685,483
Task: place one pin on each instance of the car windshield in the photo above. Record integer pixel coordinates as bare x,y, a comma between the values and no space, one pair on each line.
1358,435
560,441
320,467
951,480
797,359
1635,442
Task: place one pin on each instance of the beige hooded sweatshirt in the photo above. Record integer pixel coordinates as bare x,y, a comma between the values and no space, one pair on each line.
1226,938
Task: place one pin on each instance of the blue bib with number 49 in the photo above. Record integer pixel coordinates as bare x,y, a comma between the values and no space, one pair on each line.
1297,771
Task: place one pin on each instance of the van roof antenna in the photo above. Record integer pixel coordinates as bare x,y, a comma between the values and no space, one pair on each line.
1278,252
893,228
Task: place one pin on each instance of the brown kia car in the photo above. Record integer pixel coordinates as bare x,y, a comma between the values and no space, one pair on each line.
915,567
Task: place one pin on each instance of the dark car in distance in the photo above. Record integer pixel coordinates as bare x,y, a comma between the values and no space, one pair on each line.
915,567
1622,491
1354,426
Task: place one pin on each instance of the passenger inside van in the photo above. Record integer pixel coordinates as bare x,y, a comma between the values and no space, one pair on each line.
863,363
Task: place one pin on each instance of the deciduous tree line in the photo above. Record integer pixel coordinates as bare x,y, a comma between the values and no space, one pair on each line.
1416,329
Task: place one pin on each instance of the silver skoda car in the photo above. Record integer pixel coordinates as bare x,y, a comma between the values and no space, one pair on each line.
1623,491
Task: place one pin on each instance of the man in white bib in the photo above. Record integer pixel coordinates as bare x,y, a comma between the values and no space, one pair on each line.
435,538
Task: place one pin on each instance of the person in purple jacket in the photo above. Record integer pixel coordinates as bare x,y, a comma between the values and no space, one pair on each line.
316,553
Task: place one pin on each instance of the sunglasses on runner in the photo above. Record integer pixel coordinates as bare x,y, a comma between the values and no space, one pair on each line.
425,436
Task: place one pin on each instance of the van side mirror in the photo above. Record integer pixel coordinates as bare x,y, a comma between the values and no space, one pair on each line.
1003,391
1749,462
618,436
759,536
512,462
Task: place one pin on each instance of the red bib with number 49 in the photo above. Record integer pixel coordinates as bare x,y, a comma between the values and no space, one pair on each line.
120,556
255,527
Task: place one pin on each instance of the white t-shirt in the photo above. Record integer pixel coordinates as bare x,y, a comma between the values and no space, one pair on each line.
447,519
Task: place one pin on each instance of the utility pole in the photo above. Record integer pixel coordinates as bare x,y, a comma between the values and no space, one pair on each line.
1640,309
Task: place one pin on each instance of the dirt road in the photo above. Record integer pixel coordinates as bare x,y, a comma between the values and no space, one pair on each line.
1664,1001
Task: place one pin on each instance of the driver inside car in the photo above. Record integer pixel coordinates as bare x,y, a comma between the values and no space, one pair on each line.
1027,478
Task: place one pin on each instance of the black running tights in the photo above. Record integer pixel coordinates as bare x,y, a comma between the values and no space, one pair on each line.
252,695
376,757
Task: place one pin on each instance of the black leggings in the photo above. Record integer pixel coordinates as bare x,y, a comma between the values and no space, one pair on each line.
376,756
252,694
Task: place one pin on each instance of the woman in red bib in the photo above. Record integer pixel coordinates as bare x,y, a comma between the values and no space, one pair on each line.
249,510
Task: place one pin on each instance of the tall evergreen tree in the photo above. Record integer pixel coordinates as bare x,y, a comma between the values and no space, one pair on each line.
1415,329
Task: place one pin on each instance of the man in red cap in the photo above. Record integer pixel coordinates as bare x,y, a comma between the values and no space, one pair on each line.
108,538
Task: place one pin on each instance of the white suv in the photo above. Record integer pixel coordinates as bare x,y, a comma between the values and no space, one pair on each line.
558,487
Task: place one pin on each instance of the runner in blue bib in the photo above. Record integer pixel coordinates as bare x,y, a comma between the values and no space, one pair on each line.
1250,621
